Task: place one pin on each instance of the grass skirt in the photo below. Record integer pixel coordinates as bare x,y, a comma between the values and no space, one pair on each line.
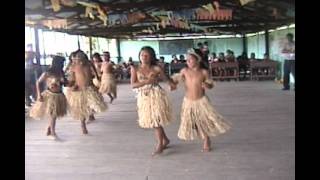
199,118
108,84
53,105
85,102
154,108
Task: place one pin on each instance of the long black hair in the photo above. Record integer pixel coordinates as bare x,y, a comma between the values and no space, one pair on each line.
152,53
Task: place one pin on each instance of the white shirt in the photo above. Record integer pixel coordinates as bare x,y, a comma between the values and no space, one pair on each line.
289,46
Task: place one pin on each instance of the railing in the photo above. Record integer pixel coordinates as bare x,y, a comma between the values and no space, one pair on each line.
263,69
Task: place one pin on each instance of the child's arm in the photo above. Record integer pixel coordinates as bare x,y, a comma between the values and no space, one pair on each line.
134,80
94,71
42,78
208,83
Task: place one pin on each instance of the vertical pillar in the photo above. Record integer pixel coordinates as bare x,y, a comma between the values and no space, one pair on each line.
118,49
78,43
244,43
36,37
90,46
266,33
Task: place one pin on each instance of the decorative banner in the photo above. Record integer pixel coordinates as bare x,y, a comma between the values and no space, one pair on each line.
243,2
221,14
70,3
136,17
95,6
207,12
89,12
56,5
55,24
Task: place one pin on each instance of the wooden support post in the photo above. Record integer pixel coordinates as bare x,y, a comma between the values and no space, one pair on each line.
244,43
118,49
78,42
36,37
90,46
266,33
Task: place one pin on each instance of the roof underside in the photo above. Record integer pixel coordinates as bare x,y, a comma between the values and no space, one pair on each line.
156,18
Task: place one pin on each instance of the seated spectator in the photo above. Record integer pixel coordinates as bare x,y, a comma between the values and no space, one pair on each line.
230,56
253,57
174,59
182,59
213,58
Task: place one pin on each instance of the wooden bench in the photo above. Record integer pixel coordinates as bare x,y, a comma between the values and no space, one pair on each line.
263,69
175,68
226,67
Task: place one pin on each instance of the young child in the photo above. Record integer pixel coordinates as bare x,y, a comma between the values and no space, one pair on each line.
97,61
198,116
51,102
154,108
108,81
84,98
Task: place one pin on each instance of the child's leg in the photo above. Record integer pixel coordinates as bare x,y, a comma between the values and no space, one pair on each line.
48,130
83,126
165,141
206,144
159,136
111,98
53,126
91,117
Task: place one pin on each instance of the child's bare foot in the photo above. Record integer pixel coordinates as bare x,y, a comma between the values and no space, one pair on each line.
48,131
90,119
53,136
158,150
84,130
207,149
165,143
206,145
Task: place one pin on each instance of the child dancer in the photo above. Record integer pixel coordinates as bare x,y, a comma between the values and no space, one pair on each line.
97,61
154,109
108,81
51,102
198,116
84,98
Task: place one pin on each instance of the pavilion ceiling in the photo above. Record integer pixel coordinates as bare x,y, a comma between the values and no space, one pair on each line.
134,18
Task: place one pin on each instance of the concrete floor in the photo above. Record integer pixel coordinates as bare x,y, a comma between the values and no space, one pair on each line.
260,146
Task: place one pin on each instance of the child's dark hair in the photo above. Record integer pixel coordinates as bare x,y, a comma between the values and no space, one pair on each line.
97,56
56,67
82,56
152,53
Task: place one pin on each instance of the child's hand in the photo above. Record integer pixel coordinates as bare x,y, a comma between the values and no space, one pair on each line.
75,88
204,85
151,80
172,87
40,98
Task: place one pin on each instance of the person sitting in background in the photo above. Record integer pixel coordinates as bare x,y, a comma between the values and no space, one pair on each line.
174,60
213,58
243,64
230,56
161,62
266,71
221,57
253,57
182,59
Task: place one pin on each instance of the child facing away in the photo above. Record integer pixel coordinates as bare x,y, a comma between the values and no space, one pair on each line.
198,117
51,103
83,97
